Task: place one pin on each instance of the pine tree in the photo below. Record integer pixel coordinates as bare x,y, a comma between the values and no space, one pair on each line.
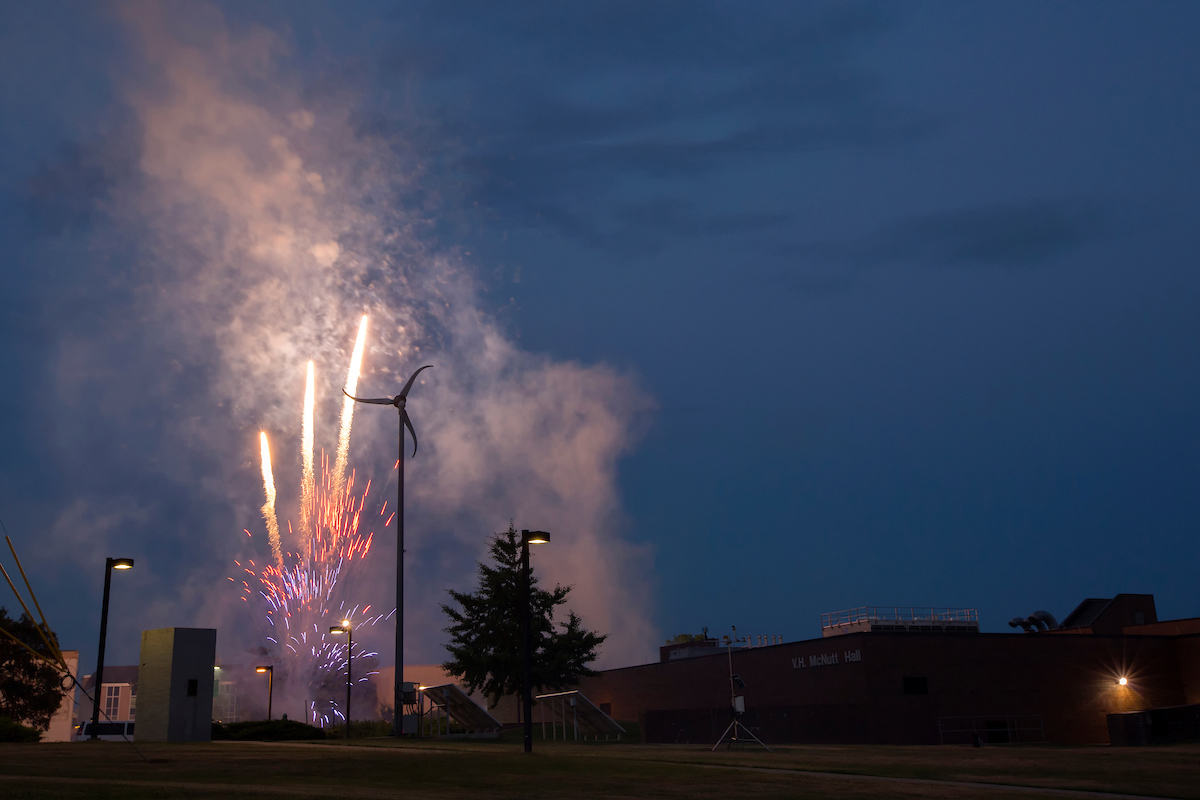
485,635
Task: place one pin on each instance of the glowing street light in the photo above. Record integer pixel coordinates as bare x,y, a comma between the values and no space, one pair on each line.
346,629
528,538
270,670
1124,681
97,685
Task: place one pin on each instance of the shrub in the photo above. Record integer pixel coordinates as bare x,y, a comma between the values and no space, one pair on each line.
360,729
277,730
16,732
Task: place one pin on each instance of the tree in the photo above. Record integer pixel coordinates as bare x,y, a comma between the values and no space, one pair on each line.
684,638
30,689
485,635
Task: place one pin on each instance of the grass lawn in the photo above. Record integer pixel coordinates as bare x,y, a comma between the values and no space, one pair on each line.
466,769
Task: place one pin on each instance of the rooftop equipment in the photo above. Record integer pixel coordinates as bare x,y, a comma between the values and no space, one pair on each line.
911,619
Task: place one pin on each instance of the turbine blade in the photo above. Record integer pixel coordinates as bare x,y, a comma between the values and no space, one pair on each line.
382,401
408,423
408,385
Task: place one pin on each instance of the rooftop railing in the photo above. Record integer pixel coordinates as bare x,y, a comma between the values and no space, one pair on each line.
899,615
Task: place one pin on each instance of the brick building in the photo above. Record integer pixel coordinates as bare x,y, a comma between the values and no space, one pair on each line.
918,676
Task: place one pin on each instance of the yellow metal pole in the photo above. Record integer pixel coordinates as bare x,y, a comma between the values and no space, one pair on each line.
22,602
36,604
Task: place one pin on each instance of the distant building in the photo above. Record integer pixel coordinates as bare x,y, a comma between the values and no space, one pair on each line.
118,703
915,676
62,724
228,705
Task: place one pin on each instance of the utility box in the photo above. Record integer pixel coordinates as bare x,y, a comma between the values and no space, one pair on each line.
408,700
175,685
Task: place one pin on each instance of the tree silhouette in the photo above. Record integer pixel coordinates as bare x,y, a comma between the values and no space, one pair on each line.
485,635
30,689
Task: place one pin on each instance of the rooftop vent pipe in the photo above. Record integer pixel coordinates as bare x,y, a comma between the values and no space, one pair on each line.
1045,617
1035,623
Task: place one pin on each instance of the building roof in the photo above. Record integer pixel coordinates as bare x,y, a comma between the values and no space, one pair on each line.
1086,612
114,675
1110,617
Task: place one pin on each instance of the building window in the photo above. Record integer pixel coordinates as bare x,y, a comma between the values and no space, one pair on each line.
132,707
227,705
112,701
918,684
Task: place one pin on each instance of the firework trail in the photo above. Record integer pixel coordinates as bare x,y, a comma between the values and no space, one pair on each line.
343,449
302,595
303,591
308,480
268,509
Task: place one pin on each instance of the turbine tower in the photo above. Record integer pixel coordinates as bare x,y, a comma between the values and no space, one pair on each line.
399,402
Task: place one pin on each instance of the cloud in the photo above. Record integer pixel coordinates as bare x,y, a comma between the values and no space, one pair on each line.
640,228
1004,235
86,529
252,227
69,193
598,100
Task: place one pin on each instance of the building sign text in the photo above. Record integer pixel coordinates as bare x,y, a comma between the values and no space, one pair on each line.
825,659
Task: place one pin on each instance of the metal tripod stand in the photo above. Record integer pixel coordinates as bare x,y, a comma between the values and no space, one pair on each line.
730,737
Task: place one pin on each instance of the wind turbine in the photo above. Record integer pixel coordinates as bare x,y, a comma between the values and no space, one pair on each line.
399,402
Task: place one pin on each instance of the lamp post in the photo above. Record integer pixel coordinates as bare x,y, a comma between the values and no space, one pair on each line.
270,670
98,685
399,401
528,538
345,628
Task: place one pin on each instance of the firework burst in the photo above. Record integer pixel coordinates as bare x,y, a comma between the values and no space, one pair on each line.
302,590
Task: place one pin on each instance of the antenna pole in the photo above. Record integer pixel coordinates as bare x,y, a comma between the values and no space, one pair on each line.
732,690
731,732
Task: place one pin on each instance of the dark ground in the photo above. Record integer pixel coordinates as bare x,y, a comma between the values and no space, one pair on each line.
383,768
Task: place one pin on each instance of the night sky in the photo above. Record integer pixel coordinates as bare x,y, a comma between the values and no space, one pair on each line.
765,310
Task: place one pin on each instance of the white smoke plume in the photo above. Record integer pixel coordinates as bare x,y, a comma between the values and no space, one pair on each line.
307,446
266,226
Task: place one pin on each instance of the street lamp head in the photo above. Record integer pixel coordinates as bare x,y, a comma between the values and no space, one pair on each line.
122,563
1124,681
264,669
346,624
337,629
535,537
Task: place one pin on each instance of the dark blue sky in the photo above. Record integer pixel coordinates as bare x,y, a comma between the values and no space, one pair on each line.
912,288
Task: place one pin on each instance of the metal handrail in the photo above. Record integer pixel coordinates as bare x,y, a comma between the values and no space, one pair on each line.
893,614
